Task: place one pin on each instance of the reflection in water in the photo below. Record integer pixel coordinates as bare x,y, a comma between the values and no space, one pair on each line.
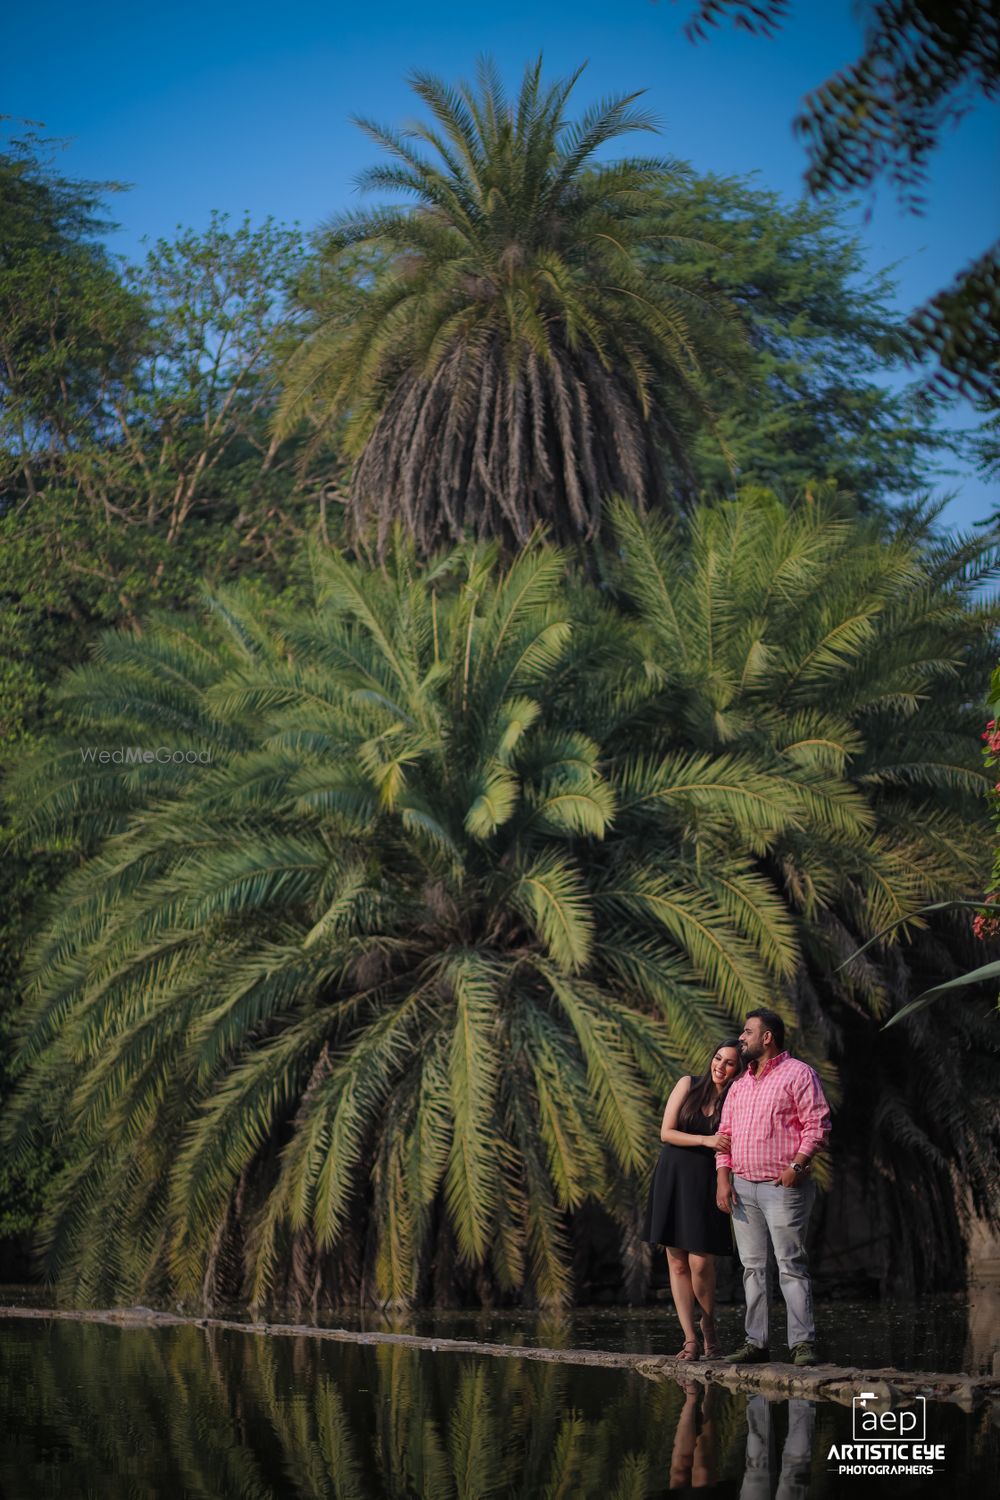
87,1410
110,1412
771,1468
796,1453
694,1460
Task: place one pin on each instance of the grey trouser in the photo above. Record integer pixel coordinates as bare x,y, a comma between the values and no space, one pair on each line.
763,1211
796,1456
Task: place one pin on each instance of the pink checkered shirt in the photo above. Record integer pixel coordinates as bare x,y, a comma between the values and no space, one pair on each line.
770,1115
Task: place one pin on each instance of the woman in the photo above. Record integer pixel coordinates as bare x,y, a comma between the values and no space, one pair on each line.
681,1214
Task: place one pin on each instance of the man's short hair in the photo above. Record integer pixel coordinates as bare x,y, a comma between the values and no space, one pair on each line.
773,1023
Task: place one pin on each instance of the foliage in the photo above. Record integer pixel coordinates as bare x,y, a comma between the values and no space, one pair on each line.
174,439
984,925
136,406
134,414
987,925
486,854
923,66
385,994
279,1419
800,398
22,1184
63,319
518,356
852,649
68,326
792,393
987,450
373,935
958,326
135,460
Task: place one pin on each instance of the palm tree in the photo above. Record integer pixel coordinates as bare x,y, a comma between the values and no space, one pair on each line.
516,355
852,657
380,1001
377,1000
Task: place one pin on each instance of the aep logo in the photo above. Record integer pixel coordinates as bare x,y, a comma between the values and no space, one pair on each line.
888,1440
900,1424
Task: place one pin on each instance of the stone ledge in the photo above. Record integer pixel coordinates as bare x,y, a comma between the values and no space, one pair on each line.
839,1383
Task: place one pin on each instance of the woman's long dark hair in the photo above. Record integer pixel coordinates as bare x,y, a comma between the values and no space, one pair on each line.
702,1092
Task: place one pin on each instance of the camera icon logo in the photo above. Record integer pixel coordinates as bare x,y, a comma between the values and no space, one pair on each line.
874,1422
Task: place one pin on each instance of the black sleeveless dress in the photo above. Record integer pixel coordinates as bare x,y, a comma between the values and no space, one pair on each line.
681,1209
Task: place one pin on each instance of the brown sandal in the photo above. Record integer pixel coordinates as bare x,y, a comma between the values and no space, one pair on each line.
688,1351
712,1346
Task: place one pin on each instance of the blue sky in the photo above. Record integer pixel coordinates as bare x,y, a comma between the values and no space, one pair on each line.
246,107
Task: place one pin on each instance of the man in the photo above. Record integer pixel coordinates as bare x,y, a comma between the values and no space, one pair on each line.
796,1452
777,1118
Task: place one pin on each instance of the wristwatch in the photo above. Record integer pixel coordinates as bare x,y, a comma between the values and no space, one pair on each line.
800,1166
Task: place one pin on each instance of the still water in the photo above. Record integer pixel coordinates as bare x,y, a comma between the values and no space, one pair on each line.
104,1412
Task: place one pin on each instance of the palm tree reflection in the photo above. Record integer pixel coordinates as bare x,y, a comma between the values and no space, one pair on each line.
202,1412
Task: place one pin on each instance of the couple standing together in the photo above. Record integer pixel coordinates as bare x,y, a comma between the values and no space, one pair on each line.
738,1147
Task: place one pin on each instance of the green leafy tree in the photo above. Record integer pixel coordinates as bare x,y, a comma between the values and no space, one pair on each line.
135,452
135,449
518,356
68,326
67,331
196,422
135,460
802,396
173,475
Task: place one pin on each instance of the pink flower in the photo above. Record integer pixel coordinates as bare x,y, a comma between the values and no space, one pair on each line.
986,924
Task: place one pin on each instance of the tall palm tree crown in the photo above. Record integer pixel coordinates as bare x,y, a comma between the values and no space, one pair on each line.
516,357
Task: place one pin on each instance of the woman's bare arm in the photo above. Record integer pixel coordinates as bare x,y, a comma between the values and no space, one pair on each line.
669,1134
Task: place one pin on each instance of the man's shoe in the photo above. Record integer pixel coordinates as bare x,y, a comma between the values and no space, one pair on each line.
803,1354
748,1354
